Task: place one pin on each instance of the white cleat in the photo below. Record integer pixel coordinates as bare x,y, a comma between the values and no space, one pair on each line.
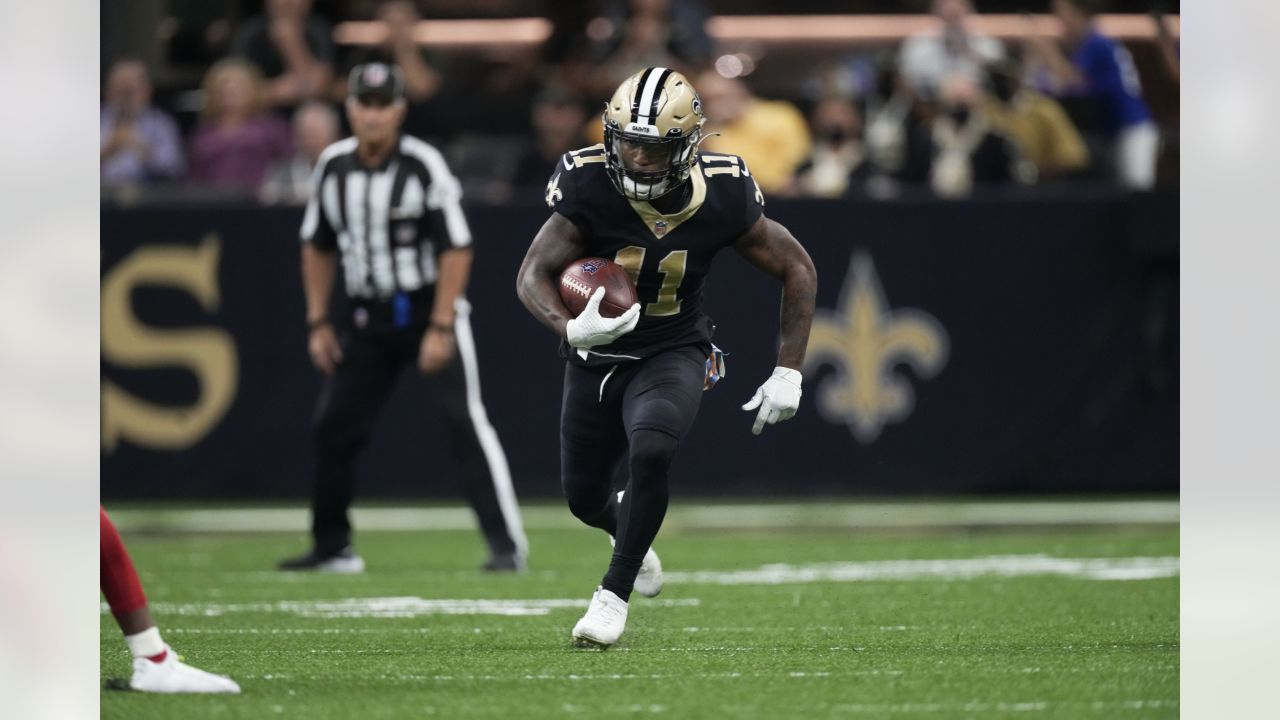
604,622
342,565
171,675
649,580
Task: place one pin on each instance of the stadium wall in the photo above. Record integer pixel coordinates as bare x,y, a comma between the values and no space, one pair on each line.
1006,344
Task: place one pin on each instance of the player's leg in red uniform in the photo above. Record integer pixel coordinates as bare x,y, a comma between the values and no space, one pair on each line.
156,667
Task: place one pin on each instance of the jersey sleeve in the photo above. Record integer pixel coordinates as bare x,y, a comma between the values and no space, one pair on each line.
575,175
316,229
752,199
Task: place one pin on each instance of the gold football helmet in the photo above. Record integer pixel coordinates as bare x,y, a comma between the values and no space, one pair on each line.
654,121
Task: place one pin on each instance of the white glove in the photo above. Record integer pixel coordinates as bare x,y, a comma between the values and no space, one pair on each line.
590,328
777,398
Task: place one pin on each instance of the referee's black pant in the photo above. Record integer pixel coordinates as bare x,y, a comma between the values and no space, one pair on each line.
349,405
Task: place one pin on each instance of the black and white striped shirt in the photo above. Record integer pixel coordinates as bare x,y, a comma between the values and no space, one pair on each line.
390,221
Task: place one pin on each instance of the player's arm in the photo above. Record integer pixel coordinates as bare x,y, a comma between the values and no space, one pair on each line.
557,244
771,247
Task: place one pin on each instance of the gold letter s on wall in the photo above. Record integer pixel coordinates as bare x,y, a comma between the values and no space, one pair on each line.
209,353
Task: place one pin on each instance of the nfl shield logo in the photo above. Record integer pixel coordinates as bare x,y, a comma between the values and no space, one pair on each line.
660,228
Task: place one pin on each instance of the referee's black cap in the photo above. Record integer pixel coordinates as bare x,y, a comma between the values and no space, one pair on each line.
377,82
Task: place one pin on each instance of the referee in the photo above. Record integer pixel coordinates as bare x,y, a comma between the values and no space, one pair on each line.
387,206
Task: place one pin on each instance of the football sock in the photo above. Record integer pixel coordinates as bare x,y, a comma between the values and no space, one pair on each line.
117,576
147,644
644,505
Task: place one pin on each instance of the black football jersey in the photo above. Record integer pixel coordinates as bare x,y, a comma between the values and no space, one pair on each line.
668,256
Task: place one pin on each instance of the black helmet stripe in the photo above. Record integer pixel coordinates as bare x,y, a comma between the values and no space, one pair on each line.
639,91
648,90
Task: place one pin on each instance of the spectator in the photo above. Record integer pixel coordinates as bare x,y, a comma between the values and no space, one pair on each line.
1037,124
315,127
952,48
421,80
292,47
139,143
1102,70
890,117
1168,46
962,149
648,33
771,135
423,83
558,118
236,139
838,163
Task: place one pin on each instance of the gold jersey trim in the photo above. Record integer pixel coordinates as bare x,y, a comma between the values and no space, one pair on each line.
661,225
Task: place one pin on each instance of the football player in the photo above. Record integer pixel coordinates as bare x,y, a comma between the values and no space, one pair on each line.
156,667
648,199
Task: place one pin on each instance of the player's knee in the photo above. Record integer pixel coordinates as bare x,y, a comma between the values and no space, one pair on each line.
651,454
588,508
661,415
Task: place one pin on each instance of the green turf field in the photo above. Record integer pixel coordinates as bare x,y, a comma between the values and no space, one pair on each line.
785,611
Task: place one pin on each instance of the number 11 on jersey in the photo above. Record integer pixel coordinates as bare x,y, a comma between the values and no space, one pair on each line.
672,268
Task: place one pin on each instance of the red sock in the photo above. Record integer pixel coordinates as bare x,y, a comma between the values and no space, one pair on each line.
117,576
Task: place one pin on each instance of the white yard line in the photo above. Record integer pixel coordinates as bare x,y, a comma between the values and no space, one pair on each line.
852,515
1131,568
390,607
881,709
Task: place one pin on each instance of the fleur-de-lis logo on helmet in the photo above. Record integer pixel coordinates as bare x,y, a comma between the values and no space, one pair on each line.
865,341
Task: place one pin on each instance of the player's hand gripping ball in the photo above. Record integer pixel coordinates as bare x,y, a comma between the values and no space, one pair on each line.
581,278
602,299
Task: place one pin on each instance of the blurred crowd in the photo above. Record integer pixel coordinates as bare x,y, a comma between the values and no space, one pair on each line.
948,110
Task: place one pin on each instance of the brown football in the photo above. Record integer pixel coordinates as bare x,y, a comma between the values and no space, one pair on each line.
581,278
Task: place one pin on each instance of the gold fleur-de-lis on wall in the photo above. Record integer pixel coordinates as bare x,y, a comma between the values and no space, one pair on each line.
865,341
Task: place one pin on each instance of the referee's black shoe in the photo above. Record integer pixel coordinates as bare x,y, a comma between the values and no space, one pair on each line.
344,561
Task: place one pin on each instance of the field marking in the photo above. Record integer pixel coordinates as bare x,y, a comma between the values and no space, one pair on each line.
864,515
1132,568
579,677
391,607
1007,707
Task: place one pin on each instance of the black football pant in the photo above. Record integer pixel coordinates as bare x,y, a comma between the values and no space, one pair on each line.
635,412
353,398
